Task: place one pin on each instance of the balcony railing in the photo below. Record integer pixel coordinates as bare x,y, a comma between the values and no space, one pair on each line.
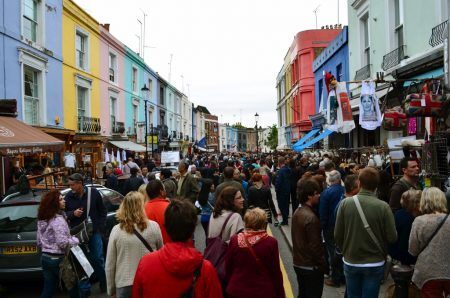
363,73
393,58
118,127
89,125
438,34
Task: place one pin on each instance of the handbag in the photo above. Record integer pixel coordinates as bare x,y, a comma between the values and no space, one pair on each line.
394,119
142,240
84,231
388,259
67,273
216,249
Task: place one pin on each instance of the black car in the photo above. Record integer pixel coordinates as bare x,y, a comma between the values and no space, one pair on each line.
19,254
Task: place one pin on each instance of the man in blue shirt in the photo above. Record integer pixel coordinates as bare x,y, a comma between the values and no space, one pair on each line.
283,189
76,211
329,199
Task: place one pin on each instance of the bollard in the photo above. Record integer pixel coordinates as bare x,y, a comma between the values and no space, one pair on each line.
402,274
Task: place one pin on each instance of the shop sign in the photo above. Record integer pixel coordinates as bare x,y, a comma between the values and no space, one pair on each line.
24,150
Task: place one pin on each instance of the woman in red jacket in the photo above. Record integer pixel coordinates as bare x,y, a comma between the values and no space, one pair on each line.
252,261
177,268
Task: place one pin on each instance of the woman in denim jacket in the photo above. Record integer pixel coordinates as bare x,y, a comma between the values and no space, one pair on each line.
53,235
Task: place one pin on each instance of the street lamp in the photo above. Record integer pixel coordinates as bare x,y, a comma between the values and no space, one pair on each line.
256,128
145,90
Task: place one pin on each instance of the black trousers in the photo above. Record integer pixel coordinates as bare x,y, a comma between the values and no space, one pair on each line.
310,283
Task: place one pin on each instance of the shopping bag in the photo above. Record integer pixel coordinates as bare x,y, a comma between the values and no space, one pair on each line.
79,255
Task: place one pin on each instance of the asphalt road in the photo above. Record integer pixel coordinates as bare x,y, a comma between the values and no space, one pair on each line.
32,289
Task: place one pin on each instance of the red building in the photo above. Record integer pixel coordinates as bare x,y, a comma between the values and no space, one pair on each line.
307,45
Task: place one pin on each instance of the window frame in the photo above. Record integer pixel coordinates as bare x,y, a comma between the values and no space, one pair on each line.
114,68
35,98
84,37
134,79
39,22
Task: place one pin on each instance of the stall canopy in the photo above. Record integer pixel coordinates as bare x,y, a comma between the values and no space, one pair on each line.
17,137
318,138
128,145
305,138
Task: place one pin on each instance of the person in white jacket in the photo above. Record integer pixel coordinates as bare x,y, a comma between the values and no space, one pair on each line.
125,248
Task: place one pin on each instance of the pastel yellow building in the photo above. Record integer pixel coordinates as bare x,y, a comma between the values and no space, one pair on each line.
81,82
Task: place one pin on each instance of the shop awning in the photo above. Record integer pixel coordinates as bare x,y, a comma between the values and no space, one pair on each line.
320,137
305,138
435,73
17,137
128,145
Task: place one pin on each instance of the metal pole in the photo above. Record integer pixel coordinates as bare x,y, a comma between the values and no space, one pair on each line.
257,141
146,133
151,124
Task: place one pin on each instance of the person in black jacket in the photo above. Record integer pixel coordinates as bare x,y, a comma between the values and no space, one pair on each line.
111,179
76,212
133,183
259,195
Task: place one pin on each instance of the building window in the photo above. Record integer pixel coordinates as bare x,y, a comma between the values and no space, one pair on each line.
134,82
30,19
150,86
31,88
82,94
398,23
339,73
81,49
113,111
113,68
365,40
135,109
161,96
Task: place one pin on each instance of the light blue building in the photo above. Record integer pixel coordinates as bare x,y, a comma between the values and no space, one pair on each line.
31,60
334,59
232,138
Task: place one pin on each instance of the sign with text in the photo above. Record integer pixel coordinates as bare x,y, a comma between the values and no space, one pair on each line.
170,157
152,140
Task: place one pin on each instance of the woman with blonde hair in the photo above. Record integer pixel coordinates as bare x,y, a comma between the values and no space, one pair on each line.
133,237
252,262
429,241
143,190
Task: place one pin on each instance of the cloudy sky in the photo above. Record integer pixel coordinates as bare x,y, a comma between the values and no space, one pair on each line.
225,54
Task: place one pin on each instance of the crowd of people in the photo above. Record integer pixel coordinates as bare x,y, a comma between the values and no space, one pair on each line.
342,228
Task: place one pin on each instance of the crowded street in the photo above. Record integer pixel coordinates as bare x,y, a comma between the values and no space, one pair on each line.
237,149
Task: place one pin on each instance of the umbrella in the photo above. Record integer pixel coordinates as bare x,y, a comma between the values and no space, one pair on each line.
107,155
124,155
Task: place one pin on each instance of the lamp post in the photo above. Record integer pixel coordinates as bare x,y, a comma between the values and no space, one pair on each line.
145,90
256,128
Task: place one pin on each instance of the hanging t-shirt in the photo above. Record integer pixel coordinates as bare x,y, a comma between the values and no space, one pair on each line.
369,109
69,160
332,111
345,109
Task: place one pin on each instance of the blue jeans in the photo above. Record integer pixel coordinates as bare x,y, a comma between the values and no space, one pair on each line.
97,260
50,266
363,282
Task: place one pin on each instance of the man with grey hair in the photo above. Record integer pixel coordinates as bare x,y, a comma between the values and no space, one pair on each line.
329,199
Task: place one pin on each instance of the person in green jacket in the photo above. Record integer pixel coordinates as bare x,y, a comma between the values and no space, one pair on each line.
363,260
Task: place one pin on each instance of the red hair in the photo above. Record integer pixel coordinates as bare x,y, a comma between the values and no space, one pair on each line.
49,206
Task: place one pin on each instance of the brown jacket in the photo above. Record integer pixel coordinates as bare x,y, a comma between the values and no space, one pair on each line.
307,240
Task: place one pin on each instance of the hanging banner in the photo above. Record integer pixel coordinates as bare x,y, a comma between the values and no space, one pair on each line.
345,109
369,108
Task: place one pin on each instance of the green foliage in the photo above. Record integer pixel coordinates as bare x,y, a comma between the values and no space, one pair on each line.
272,139
238,125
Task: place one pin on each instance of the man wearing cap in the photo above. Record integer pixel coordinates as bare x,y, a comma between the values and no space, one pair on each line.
76,209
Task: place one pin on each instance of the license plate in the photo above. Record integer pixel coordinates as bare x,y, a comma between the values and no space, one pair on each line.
18,249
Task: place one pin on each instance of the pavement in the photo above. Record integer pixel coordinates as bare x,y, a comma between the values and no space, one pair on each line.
328,292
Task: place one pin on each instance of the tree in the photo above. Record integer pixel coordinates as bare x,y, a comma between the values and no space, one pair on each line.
272,138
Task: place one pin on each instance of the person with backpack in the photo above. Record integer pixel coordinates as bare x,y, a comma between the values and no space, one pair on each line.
206,199
133,237
252,261
177,269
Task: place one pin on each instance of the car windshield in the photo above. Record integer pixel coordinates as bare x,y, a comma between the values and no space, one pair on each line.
18,218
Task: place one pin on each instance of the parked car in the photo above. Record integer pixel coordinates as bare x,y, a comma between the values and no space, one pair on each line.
19,254
157,171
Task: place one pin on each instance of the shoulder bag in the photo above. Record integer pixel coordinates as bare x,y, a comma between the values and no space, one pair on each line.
190,293
142,240
388,259
84,231
434,233
216,249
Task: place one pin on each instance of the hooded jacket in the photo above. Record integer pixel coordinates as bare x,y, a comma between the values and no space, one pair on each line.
169,271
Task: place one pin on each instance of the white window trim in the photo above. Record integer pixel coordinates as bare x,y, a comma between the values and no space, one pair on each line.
87,68
116,70
40,34
362,11
84,83
40,64
135,92
391,38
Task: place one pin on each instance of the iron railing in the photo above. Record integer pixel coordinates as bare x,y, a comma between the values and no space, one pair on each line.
89,125
438,34
118,127
393,58
363,73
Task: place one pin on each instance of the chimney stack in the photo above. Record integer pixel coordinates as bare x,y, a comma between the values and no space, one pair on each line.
106,26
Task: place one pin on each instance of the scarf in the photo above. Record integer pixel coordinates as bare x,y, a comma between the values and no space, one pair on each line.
251,236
